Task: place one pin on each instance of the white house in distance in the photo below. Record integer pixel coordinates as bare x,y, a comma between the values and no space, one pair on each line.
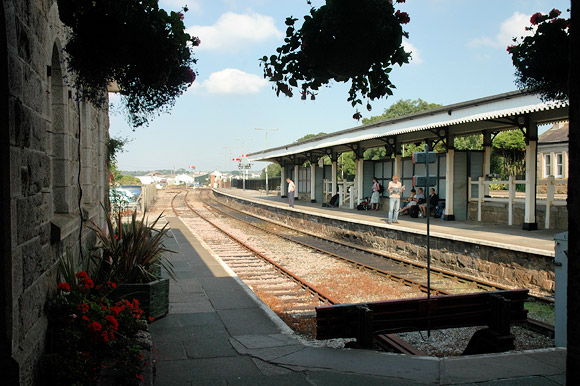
553,152
184,179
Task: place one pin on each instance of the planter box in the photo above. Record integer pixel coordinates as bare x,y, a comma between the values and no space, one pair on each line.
153,296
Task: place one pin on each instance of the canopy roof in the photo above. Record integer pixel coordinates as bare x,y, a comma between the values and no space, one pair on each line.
490,114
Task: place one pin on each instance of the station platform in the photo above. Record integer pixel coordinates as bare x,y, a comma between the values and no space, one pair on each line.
540,242
218,332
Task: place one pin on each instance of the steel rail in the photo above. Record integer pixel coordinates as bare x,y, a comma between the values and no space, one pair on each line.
399,279
303,284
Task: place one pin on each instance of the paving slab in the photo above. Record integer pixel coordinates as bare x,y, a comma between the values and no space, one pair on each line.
365,362
478,368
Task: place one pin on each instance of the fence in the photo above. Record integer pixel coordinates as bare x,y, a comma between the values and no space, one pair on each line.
259,184
482,185
346,192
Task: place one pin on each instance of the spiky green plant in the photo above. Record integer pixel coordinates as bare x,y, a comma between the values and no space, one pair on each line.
131,252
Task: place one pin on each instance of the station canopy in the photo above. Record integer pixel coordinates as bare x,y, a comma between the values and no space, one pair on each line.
492,114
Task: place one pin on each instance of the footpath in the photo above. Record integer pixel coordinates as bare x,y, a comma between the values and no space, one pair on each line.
218,333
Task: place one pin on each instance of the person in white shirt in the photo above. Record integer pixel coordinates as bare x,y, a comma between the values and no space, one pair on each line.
291,189
395,189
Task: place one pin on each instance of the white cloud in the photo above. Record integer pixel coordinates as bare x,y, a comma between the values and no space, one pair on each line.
176,5
512,27
233,81
415,55
233,31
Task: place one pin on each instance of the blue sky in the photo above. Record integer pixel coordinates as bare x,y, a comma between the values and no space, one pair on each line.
459,53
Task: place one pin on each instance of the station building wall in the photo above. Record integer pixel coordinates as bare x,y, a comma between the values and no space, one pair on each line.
53,148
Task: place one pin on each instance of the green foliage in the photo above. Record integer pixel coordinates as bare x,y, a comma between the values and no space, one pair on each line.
127,180
274,170
401,108
115,146
508,154
131,252
142,48
375,153
346,166
541,60
343,40
309,136
471,142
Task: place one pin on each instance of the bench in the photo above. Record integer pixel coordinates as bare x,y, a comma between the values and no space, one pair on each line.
496,310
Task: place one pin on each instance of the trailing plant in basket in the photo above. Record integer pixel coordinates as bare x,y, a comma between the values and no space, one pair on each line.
356,40
133,251
134,43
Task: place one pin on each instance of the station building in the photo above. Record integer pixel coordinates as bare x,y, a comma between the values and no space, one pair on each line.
462,176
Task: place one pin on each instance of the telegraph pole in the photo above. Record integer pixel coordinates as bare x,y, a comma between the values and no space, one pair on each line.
266,130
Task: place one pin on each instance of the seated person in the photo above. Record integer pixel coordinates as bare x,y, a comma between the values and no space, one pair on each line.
433,201
420,197
409,202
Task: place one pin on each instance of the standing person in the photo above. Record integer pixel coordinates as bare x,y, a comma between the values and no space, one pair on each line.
395,189
291,189
375,195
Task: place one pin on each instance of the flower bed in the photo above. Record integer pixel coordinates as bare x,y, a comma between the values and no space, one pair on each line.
90,335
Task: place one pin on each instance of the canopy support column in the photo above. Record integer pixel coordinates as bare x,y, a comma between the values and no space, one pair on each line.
486,159
359,180
283,184
297,191
530,223
312,181
449,180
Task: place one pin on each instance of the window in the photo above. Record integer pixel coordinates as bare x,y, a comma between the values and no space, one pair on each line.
547,165
304,180
559,165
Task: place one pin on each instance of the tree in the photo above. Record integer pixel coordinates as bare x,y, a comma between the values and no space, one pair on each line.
274,170
343,40
400,108
309,136
509,149
541,60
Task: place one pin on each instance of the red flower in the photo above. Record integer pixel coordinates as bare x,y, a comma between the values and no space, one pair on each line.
114,323
554,13
403,17
510,48
180,15
63,287
357,116
95,327
140,377
534,18
83,307
151,319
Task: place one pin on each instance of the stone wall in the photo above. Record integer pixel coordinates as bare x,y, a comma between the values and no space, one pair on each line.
497,212
495,265
56,149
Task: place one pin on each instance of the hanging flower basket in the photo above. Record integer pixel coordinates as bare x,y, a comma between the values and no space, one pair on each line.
357,40
133,43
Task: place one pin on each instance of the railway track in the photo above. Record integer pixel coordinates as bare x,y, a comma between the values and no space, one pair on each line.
292,294
402,271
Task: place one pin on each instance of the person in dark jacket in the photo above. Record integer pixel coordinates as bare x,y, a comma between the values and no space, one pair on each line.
433,201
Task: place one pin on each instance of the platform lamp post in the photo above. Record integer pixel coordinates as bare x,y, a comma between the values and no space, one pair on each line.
427,157
266,130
